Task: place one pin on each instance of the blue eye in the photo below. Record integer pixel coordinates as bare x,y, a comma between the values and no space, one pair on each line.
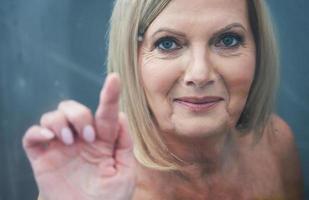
229,41
167,44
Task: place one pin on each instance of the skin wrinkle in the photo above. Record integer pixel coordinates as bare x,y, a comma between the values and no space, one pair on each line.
196,44
219,164
216,162
149,50
220,78
151,55
147,55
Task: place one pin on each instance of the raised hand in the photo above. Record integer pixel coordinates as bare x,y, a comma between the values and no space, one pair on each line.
75,155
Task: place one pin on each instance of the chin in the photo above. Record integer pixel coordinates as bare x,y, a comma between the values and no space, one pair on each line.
203,129
196,127
184,124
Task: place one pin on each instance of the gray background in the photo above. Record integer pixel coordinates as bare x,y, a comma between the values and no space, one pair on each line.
52,50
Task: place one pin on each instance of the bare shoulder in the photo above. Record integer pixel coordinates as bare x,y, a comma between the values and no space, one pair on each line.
280,135
282,142
281,138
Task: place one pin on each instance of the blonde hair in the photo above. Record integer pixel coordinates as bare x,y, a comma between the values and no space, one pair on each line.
129,21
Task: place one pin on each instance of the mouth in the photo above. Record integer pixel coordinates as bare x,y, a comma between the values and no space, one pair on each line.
198,103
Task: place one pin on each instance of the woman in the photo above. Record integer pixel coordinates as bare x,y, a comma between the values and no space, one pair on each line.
198,82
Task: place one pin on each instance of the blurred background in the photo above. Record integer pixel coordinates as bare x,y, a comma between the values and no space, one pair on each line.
52,50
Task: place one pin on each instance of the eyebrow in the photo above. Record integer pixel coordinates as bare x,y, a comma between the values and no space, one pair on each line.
168,30
220,31
229,27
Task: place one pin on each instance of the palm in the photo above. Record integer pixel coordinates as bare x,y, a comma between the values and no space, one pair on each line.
80,168
103,169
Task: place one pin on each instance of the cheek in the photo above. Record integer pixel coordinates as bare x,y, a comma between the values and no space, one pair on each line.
238,78
157,73
159,77
156,80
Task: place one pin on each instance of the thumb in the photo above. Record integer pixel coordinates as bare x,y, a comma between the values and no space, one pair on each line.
36,140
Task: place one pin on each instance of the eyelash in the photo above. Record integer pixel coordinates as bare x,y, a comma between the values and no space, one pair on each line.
164,39
217,42
239,40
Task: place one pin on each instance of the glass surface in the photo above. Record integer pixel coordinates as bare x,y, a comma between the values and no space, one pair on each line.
53,50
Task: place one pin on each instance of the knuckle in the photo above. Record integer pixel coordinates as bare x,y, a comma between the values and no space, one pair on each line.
50,118
75,119
45,118
65,103
29,131
81,115
76,113
34,128
86,112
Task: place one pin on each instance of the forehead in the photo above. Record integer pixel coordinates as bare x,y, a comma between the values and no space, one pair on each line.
184,14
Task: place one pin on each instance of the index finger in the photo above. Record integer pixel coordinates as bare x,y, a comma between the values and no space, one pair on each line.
106,117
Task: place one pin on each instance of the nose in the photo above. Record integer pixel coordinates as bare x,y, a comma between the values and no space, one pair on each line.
198,71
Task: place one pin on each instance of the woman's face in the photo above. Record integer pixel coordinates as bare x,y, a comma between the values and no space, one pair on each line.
197,62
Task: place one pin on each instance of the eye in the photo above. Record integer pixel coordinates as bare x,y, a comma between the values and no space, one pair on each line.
229,40
167,44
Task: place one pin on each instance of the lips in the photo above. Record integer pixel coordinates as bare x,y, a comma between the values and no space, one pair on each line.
198,103
199,100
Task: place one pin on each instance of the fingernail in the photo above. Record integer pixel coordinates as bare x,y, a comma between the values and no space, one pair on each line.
67,136
88,134
47,133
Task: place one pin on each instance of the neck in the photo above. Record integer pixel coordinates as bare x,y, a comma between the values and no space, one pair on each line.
207,162
205,156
